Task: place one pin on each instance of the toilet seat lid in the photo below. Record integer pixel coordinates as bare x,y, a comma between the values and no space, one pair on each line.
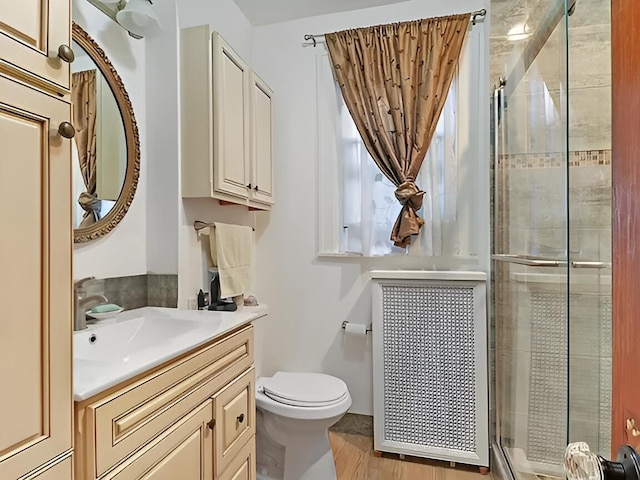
305,389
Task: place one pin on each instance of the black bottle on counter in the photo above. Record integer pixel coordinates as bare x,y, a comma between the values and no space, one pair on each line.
201,302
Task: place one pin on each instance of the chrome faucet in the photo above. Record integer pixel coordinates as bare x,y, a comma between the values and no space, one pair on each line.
81,303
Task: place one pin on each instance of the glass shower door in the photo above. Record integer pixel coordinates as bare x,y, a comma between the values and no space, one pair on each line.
531,242
551,230
590,226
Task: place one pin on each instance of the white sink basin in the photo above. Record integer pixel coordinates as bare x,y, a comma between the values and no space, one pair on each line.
120,342
112,351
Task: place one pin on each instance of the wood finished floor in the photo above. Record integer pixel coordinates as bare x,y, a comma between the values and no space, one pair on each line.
355,461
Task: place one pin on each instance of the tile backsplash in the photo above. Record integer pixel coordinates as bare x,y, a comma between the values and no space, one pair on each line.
149,290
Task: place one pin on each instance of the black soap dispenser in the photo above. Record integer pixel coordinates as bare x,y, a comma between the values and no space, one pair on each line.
201,300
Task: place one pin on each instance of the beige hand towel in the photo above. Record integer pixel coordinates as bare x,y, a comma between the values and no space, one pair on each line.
209,237
234,246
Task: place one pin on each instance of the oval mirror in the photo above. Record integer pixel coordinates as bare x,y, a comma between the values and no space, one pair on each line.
106,152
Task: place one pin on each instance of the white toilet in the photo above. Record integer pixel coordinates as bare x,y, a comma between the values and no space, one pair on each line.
294,413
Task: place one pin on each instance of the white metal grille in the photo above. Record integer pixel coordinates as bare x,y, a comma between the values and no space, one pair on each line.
429,366
604,432
547,418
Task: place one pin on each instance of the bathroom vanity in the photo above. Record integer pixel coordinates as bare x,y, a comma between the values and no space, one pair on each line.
168,393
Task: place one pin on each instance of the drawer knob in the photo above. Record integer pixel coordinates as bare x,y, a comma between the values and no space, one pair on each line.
66,130
249,186
241,418
256,188
66,54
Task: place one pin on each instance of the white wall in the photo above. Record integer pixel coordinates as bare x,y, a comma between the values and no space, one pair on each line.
311,297
123,251
163,146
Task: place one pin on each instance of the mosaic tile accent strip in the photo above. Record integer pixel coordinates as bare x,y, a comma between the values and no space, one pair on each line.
578,158
547,419
429,358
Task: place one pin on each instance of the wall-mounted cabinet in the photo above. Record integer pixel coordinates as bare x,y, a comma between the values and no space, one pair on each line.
226,123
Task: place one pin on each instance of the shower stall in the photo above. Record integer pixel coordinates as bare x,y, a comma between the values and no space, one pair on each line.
551,162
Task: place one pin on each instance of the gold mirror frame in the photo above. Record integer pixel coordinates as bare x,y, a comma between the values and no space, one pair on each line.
130,184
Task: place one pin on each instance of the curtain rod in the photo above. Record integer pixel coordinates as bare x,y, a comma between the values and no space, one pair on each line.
311,39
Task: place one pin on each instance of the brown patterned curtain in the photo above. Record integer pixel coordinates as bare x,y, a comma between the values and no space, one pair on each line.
83,98
394,80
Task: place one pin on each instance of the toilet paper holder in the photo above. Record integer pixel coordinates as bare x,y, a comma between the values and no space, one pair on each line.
345,323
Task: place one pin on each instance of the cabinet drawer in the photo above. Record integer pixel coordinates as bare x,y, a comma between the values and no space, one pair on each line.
129,418
183,452
243,465
234,414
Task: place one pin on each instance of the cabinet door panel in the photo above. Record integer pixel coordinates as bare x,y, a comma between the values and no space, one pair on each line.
184,452
262,162
231,120
234,411
35,285
30,33
243,465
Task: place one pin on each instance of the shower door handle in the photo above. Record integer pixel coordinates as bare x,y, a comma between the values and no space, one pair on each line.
590,265
527,260
531,261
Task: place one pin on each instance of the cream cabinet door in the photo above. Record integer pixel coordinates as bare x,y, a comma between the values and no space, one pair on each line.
184,452
262,141
243,465
231,110
31,32
234,410
35,279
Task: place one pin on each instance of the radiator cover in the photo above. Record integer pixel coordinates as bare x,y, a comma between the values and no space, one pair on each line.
430,365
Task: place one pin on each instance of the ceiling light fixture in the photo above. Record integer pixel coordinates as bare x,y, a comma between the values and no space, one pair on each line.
135,16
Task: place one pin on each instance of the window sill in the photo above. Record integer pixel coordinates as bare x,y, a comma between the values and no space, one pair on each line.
340,255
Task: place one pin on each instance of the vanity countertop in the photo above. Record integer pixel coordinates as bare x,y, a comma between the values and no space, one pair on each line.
111,351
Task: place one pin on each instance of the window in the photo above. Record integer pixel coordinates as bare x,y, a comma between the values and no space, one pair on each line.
358,207
368,206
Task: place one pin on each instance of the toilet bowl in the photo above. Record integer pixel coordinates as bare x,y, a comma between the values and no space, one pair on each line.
294,413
